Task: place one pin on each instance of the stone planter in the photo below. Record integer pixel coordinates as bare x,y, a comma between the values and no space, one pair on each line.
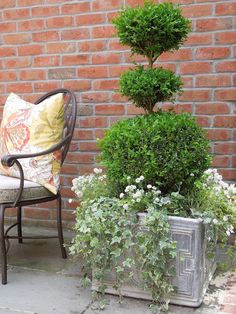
193,269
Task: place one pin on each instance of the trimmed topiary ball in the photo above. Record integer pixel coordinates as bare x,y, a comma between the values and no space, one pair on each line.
169,150
147,86
152,29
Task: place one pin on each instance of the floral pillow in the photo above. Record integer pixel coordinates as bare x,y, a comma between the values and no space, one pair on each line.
28,128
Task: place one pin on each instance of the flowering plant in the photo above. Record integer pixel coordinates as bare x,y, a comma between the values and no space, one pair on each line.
106,226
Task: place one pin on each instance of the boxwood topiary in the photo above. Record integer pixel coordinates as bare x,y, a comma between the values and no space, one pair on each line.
147,86
169,150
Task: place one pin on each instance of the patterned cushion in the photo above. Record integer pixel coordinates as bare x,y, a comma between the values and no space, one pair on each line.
28,128
9,188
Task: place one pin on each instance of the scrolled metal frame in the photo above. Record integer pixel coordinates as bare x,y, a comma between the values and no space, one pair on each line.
10,160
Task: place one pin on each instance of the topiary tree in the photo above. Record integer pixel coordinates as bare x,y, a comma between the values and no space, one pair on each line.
149,31
169,150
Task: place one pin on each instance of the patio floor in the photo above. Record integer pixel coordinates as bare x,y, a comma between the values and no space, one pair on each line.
41,282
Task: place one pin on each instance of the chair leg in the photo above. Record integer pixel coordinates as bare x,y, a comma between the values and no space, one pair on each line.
3,253
59,228
19,226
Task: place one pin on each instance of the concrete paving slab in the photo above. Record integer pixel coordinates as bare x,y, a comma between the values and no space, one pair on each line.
41,282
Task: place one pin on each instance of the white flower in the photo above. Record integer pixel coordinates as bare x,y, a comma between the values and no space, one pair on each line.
141,178
154,188
215,221
138,200
149,186
137,180
97,170
128,178
225,218
228,233
122,195
156,200
125,206
138,194
191,174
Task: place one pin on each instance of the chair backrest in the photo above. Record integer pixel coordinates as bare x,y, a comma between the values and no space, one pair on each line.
70,116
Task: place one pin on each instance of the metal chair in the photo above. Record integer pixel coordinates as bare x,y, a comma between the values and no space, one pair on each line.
18,187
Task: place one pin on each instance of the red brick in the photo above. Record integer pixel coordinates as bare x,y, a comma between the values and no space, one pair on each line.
90,19
229,174
100,5
114,44
228,8
75,59
93,122
8,76
95,97
116,97
106,58
60,22
26,3
234,161
12,39
213,80
178,108
46,86
88,146
226,38
195,67
209,108
69,169
61,73
46,61
31,25
212,53
75,8
220,161
88,46
203,121
17,63
30,50
36,213
183,54
225,94
7,51
117,70
226,66
106,84
45,36
197,10
78,85
61,48
32,75
19,88
218,134
7,4
92,72
83,135
205,25
75,34
225,121
198,39
45,11
16,14
103,31
109,110
83,158
195,95
7,27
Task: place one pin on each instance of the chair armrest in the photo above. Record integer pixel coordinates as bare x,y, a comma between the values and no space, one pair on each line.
9,160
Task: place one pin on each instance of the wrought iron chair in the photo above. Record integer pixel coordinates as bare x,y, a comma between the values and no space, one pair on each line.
17,188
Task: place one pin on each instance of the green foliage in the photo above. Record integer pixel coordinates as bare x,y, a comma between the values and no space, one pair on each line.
152,29
146,87
169,150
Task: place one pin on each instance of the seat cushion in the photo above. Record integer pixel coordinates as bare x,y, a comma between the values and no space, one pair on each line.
28,128
9,188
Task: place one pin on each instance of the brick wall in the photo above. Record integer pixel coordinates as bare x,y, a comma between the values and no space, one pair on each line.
47,44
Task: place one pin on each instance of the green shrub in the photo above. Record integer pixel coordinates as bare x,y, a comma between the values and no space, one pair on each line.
152,29
146,87
169,150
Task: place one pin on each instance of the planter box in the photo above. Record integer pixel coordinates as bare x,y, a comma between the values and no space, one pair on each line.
193,269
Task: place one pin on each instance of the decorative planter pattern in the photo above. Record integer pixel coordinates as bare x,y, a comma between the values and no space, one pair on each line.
193,269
